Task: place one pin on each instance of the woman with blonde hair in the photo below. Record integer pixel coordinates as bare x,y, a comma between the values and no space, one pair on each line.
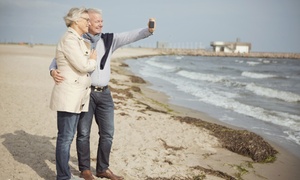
71,97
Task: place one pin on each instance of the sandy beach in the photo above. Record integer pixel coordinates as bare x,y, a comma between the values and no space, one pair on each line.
153,139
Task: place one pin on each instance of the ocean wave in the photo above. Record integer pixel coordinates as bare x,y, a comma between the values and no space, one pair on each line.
253,63
178,57
162,66
293,136
273,93
257,75
227,101
217,98
230,82
200,76
258,62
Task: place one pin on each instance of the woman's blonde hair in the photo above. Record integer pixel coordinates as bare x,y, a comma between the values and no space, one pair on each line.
73,15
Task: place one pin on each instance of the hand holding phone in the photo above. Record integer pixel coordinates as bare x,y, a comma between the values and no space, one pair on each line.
151,25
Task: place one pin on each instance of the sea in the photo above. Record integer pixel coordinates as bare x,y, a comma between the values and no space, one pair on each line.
257,94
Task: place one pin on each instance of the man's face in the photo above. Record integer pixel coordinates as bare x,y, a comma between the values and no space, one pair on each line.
96,23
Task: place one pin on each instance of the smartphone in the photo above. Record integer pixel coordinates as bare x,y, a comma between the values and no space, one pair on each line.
151,24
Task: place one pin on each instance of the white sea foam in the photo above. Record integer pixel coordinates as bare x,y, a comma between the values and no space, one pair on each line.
266,61
253,63
239,61
217,98
293,136
225,80
162,66
257,75
200,76
273,93
258,90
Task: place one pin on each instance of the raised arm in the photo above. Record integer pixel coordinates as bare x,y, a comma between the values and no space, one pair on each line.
121,39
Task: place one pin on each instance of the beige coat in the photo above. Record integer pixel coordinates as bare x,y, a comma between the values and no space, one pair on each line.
72,58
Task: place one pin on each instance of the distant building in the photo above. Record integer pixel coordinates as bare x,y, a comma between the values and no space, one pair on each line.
231,47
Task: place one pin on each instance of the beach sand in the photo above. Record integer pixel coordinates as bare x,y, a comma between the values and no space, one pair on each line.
150,141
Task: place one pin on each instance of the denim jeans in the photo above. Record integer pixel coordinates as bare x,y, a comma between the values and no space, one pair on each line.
66,125
102,106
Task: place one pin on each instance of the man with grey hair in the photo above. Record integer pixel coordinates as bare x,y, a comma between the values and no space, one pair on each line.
101,103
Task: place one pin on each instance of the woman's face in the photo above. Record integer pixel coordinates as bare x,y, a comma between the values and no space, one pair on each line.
84,23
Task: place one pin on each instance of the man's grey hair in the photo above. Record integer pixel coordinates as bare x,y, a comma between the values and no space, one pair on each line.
94,10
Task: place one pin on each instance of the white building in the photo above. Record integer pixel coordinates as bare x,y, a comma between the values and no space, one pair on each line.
231,47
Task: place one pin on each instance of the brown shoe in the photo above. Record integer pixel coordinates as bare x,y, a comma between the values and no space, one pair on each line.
109,175
86,175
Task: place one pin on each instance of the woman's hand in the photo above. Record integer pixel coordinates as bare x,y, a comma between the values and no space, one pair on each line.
93,54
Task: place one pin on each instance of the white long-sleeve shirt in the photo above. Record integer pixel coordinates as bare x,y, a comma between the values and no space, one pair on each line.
102,77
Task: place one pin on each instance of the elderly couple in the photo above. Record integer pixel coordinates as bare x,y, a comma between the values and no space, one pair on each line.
81,71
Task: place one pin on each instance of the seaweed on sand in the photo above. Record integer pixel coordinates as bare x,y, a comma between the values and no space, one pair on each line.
242,142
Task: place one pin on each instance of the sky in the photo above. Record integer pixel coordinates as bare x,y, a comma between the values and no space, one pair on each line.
269,25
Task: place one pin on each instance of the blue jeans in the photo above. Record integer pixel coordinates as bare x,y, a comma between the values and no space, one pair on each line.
66,125
102,106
